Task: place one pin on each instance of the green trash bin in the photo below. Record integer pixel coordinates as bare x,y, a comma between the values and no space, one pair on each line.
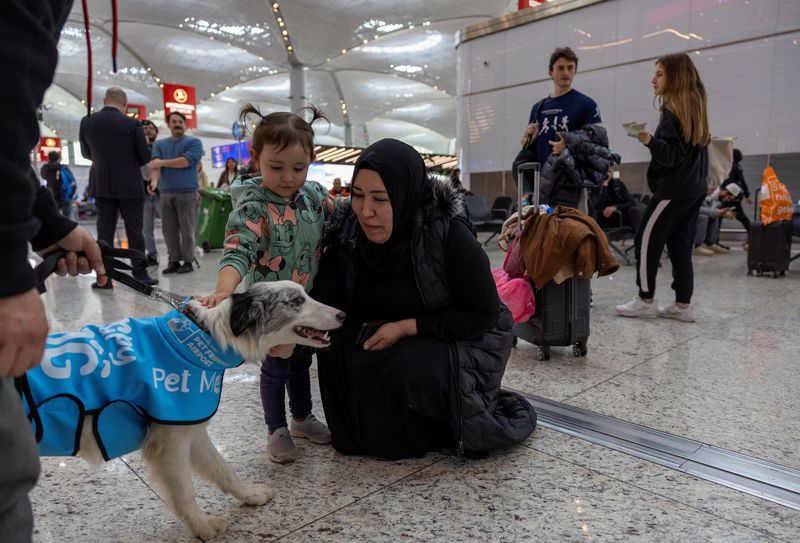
215,206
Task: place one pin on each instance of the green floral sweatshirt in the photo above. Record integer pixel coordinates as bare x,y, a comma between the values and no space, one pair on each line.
269,238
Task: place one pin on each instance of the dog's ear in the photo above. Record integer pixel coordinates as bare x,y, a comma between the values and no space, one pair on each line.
247,312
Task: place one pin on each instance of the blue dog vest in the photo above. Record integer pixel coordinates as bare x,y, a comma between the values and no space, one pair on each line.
127,374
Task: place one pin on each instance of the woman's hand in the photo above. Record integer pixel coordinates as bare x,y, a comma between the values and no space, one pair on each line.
645,137
213,300
390,333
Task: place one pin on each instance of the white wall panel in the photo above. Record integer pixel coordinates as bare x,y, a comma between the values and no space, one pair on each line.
788,15
784,125
485,132
489,50
740,19
738,80
528,51
592,33
752,83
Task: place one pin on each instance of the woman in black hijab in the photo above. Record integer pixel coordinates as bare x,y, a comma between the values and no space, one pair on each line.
418,363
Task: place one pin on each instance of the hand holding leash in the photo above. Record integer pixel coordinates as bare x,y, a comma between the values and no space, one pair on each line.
78,253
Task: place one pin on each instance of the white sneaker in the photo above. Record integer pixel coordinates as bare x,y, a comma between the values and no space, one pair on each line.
719,249
678,313
702,250
638,308
280,447
311,428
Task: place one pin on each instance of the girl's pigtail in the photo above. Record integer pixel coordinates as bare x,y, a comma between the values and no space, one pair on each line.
248,109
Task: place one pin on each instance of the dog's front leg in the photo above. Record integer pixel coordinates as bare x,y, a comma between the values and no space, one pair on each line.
209,464
167,451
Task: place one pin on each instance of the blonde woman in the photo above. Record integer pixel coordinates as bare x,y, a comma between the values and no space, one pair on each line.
677,178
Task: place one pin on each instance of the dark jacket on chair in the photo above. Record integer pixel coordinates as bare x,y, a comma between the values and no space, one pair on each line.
117,147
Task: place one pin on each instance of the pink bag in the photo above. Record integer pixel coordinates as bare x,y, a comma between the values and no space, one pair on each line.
514,265
516,293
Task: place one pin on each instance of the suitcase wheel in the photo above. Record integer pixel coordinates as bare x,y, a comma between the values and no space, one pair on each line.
749,273
580,349
543,352
206,247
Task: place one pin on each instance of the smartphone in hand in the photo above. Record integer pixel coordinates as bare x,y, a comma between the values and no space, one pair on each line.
368,329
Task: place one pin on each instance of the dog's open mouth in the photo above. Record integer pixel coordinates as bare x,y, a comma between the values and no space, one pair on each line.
319,336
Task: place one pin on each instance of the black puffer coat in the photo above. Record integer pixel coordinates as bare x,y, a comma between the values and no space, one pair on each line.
483,416
585,162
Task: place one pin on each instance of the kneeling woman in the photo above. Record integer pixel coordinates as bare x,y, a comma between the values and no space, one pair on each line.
404,259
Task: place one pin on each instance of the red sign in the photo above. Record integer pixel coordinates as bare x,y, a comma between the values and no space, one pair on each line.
181,98
47,144
524,4
136,111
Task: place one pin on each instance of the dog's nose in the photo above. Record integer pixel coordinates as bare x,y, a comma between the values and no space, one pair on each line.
341,316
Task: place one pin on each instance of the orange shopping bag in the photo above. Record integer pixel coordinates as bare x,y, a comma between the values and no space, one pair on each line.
776,203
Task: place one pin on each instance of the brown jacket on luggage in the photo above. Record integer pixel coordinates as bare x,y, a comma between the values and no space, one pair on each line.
548,241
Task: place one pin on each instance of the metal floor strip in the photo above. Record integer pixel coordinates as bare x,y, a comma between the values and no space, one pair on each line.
766,480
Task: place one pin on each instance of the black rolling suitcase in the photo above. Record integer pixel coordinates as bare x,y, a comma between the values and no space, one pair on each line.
770,247
562,311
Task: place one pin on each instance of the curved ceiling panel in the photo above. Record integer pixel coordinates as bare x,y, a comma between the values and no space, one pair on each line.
179,56
246,23
232,52
422,139
321,30
369,95
426,54
72,68
437,115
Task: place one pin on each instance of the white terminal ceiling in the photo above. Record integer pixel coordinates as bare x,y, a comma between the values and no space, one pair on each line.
393,63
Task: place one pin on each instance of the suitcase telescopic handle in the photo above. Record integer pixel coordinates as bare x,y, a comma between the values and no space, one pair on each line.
521,169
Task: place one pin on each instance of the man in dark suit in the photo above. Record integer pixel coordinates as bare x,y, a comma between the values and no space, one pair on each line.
117,147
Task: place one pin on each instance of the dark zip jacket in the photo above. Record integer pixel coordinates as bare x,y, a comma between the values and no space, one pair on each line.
678,170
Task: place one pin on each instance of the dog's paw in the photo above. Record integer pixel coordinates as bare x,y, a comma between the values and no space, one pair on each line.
257,495
210,527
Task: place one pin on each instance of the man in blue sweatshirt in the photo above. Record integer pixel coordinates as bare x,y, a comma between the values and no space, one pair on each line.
174,174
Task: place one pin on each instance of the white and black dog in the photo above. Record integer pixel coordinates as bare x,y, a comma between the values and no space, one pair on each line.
153,383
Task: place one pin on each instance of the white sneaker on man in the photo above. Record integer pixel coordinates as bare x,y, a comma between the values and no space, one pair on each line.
638,308
719,249
702,250
677,312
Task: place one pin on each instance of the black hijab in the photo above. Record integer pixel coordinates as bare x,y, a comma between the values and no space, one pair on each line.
402,171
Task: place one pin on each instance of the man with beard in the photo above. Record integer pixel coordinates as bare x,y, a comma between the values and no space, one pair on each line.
174,175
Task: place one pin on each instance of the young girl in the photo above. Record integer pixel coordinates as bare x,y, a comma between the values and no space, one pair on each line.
677,177
274,233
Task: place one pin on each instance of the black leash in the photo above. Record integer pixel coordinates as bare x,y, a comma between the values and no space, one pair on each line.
115,269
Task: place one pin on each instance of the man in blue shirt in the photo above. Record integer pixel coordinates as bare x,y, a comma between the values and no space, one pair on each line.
174,174
562,110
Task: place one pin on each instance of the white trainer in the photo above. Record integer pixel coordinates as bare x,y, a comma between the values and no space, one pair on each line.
719,249
638,308
702,250
678,313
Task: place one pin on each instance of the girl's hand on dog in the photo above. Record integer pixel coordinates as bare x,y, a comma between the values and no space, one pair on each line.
213,300
281,351
390,333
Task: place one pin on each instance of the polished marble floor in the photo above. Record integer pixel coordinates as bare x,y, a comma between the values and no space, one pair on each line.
731,379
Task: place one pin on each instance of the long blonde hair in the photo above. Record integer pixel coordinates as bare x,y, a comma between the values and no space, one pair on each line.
685,95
